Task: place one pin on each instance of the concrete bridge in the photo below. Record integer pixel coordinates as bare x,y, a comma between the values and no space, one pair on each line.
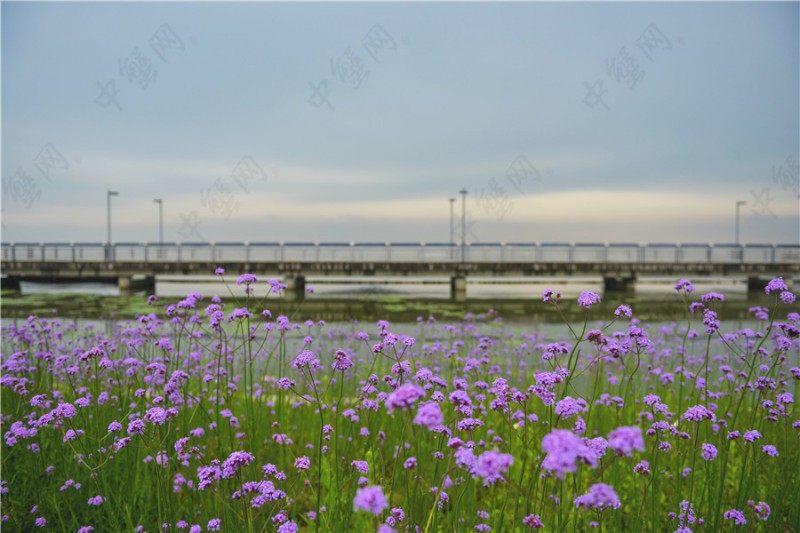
134,265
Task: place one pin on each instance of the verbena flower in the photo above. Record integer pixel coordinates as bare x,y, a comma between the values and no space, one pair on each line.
429,415
588,298
626,439
775,285
404,397
709,452
564,450
684,285
600,496
735,515
370,499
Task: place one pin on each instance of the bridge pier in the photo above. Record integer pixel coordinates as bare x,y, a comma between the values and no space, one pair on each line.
458,288
10,284
295,288
756,284
129,284
619,283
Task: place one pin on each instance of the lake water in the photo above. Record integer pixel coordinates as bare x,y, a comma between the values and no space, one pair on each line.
371,299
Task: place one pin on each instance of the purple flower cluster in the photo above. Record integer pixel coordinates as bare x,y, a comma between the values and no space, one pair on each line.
600,497
370,499
564,451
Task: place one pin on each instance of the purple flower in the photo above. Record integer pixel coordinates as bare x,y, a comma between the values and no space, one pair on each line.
213,524
642,468
569,407
698,413
370,499
787,297
709,452
736,515
429,415
564,449
136,427
547,295
219,271
751,435
65,410
491,465
341,361
234,462
302,463
587,299
712,296
684,285
623,310
404,397
776,284
288,527
156,416
306,359
600,496
533,521
96,501
246,279
361,466
625,439
762,509
770,450
41,521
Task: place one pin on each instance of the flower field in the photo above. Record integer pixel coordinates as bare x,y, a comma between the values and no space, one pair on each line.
212,416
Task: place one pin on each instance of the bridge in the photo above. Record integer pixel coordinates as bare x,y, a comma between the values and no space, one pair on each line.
133,266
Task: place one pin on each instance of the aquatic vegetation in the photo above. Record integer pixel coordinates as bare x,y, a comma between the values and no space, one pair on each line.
201,415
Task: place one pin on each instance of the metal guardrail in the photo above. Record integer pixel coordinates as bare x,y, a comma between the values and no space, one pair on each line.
305,252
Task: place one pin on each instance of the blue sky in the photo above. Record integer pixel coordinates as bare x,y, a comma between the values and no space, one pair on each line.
215,113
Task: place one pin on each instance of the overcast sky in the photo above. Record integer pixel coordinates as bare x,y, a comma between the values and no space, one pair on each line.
582,122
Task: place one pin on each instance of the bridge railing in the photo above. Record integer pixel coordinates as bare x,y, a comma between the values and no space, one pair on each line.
348,252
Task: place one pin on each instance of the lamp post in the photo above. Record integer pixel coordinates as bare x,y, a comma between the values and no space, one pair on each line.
160,226
160,220
108,201
452,227
463,193
739,203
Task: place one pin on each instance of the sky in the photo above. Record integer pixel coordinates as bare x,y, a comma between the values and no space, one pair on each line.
358,122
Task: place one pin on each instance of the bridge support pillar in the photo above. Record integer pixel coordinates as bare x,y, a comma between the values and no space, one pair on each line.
458,288
619,283
10,284
756,284
124,284
295,288
129,284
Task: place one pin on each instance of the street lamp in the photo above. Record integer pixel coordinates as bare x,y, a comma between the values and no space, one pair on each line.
160,220
108,198
739,203
452,227
463,193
